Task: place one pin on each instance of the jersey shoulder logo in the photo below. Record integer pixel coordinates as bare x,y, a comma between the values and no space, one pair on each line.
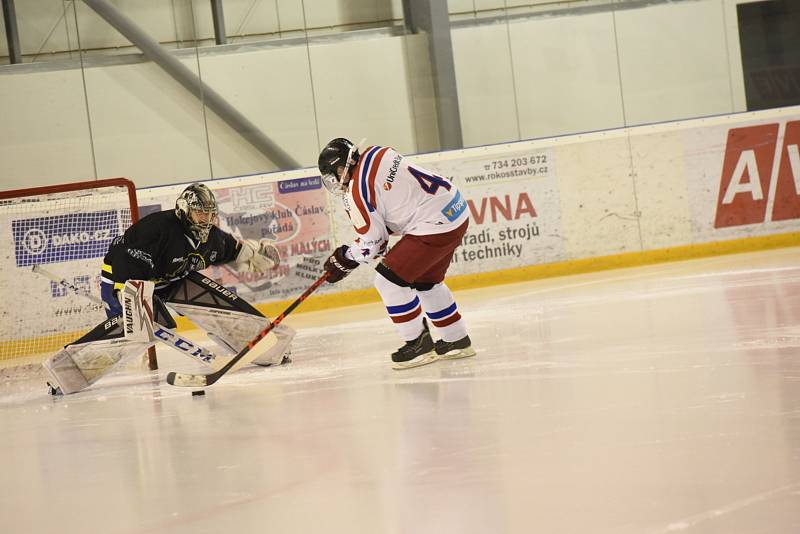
454,208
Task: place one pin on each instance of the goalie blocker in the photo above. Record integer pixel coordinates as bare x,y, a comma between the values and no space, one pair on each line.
229,321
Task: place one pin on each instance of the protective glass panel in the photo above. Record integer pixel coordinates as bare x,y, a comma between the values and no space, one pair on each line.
45,131
141,76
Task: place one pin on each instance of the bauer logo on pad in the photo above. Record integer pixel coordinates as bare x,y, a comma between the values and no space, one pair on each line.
62,238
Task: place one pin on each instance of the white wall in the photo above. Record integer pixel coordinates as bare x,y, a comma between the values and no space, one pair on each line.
566,74
53,26
677,68
145,126
44,132
530,78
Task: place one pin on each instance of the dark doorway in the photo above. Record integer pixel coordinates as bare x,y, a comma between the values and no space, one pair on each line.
769,33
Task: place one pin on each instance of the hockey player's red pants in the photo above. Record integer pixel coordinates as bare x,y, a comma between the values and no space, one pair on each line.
424,258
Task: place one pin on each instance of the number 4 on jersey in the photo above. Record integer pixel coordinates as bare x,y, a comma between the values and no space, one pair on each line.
430,183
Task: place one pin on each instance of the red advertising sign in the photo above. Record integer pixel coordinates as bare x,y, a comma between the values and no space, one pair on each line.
787,191
746,185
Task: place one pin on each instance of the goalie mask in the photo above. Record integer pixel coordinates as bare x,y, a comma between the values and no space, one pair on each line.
197,210
335,162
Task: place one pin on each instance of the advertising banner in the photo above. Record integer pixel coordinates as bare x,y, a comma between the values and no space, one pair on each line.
292,213
515,214
60,238
744,179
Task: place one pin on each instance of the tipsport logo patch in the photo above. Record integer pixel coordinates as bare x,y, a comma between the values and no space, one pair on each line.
62,238
455,207
760,179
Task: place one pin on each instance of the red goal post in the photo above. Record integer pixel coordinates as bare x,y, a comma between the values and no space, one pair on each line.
64,231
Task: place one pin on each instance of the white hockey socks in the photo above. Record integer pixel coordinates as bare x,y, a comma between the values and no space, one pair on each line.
442,312
403,307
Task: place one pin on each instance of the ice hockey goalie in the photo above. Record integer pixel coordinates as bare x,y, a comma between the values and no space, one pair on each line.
229,321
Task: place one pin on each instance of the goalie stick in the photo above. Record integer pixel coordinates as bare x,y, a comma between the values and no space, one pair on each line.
192,380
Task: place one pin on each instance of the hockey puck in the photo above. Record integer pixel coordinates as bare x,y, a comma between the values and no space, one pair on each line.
198,393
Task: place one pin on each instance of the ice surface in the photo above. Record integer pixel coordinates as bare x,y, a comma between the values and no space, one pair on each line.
650,400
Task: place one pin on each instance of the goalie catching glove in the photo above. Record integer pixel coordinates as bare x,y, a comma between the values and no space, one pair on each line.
256,256
339,265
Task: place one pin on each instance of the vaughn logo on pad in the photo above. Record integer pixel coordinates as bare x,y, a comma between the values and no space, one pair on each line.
760,179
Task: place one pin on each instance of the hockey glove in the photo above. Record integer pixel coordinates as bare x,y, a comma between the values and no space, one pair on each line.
339,265
256,256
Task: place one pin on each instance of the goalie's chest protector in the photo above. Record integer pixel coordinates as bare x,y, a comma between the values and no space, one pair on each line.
158,244
185,255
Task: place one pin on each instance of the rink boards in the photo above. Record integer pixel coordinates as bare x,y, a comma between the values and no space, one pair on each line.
538,208
553,206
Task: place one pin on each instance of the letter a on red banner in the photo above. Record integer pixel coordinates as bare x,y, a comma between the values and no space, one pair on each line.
787,192
746,173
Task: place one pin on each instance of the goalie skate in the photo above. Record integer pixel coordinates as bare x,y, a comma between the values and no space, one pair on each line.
53,390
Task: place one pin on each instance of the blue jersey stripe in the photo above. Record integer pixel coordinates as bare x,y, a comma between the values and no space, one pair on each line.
450,310
365,177
403,308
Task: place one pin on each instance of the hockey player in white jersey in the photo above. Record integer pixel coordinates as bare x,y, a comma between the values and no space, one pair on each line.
384,194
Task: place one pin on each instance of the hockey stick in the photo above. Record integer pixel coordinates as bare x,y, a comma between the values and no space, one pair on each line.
191,380
38,269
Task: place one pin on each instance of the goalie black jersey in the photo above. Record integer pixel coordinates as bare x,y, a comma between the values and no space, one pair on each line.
157,248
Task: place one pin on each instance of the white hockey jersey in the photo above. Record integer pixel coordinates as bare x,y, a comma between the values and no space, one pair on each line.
389,194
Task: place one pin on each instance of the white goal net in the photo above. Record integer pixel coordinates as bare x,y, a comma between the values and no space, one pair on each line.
52,242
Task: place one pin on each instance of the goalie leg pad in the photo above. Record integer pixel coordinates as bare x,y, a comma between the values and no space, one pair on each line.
65,372
80,364
279,353
199,290
161,314
137,310
230,321
225,347
231,331
176,341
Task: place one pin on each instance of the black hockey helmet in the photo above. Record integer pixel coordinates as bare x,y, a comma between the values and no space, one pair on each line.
195,200
339,153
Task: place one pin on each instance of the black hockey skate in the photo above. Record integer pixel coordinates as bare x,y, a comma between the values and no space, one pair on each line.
452,350
53,390
416,352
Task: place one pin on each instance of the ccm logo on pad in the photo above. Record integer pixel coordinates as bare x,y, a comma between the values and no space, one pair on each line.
760,176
